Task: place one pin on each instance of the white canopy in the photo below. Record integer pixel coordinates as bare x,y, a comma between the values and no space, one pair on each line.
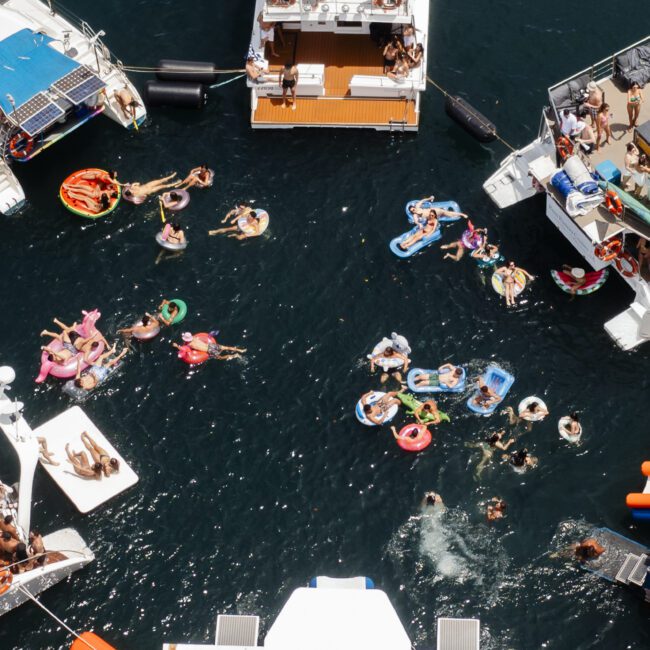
341,619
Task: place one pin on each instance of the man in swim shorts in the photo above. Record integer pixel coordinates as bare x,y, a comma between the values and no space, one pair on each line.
378,411
390,353
288,79
486,397
447,375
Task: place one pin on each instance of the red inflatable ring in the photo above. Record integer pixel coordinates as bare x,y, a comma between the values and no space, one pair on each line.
193,357
414,437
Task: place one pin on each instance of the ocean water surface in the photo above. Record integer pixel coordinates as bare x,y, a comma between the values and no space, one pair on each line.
255,474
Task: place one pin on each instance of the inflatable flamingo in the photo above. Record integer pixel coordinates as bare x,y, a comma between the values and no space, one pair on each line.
69,368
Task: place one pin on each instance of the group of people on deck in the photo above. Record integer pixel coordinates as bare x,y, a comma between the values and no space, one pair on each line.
402,53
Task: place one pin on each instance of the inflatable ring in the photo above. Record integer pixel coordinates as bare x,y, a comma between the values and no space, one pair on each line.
472,239
386,363
523,408
170,246
6,578
194,357
414,437
608,251
127,196
18,152
77,207
631,268
375,396
564,432
520,283
564,147
182,311
263,217
147,336
613,203
181,204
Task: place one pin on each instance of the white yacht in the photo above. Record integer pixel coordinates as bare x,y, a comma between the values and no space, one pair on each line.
340,614
604,237
338,49
55,75
66,551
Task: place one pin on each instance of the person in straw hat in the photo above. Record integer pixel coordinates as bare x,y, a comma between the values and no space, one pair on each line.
577,276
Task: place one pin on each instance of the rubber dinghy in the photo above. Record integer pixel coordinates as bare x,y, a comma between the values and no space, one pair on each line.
498,380
429,239
593,281
440,388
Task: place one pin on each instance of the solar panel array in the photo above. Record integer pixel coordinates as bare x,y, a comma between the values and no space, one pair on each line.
37,114
79,84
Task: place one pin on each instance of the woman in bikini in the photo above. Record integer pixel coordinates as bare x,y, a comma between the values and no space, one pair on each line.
602,126
98,454
634,101
143,190
508,275
198,177
81,466
72,342
176,234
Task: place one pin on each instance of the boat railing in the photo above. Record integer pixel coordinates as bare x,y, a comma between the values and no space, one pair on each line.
599,71
340,7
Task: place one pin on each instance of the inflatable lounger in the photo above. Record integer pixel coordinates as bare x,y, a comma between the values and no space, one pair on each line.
593,281
418,246
410,403
443,205
440,388
498,380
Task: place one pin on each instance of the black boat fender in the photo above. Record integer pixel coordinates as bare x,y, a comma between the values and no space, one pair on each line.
470,119
182,94
201,72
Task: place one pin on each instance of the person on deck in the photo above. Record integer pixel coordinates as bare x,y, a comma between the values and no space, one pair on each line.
255,70
288,80
594,101
634,101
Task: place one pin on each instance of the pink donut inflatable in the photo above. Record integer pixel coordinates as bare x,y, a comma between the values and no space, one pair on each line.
414,437
69,368
193,357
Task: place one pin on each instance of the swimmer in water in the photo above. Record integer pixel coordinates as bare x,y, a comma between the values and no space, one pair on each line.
588,549
496,509
572,427
520,459
390,353
532,410
427,413
432,500
172,309
487,447
147,325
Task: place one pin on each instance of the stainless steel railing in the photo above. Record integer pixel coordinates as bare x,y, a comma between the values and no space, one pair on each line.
341,7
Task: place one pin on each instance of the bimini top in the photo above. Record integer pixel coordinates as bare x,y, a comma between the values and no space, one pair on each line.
30,66
341,619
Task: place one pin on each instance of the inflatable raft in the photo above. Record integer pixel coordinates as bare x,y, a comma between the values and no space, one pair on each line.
525,414
103,182
418,246
498,380
414,437
440,388
562,427
443,205
593,281
182,310
399,344
161,238
194,357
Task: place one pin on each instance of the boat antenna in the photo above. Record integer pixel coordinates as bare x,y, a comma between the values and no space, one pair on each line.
54,616
12,101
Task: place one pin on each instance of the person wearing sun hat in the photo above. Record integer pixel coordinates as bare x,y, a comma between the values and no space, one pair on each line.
577,276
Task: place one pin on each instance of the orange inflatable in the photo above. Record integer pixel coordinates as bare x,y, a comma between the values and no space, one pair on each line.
90,639
645,468
638,500
91,178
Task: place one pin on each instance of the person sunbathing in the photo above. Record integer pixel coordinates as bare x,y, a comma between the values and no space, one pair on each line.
143,190
251,226
241,210
45,453
447,376
99,455
577,278
147,325
98,370
214,350
71,339
81,466
430,226
94,199
378,411
200,176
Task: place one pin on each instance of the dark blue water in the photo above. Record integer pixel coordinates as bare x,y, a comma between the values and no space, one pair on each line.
255,475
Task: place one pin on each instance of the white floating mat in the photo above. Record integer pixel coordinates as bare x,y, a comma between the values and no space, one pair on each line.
86,494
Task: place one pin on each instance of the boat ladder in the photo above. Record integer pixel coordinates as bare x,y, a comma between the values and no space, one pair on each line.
237,630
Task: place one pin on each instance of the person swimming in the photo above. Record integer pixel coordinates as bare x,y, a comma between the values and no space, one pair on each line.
487,447
521,459
496,509
572,424
432,499
588,549
172,310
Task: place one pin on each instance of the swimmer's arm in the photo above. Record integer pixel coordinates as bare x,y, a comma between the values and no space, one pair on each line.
528,275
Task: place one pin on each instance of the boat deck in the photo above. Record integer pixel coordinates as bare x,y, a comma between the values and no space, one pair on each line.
343,56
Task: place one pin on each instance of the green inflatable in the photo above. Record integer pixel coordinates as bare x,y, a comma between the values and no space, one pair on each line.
411,404
182,311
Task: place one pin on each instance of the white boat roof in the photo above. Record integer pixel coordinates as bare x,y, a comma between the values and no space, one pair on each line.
12,22
337,619
86,494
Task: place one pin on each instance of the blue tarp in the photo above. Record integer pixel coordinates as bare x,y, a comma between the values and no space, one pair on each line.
29,65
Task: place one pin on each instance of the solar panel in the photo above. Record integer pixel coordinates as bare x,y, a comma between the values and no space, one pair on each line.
79,84
37,114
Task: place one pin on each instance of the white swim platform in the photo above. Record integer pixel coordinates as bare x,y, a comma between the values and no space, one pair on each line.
85,494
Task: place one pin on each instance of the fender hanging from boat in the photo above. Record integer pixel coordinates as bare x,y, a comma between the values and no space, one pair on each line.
476,124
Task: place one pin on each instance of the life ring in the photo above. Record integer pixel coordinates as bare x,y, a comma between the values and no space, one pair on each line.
182,310
564,147
527,415
608,251
562,427
146,336
613,203
472,239
414,437
632,265
24,151
6,578
182,203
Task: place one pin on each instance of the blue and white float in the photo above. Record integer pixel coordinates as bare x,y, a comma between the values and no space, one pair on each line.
497,380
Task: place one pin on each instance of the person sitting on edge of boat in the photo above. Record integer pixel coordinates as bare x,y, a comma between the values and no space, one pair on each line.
377,412
215,350
400,70
288,80
7,526
100,455
485,396
138,190
432,500
8,543
572,427
98,370
414,58
568,121
267,34
426,411
21,558
172,310
594,101
147,325
127,103
586,139
577,275
390,353
391,50
200,176
496,509
602,125
37,547
81,466
448,375
521,459
255,70
588,549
